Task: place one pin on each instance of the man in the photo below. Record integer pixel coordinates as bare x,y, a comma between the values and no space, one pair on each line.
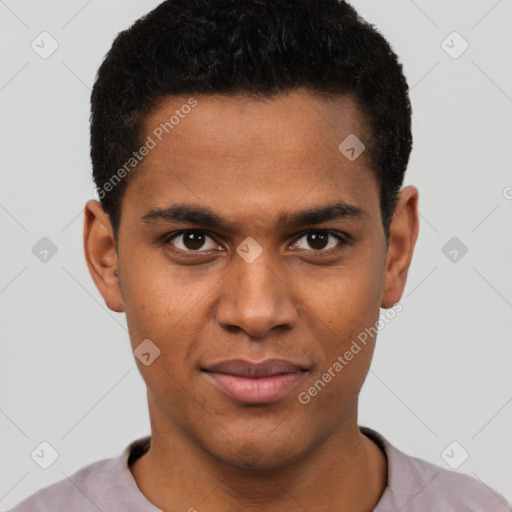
249,157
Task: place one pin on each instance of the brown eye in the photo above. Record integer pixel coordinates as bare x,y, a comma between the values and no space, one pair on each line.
192,241
319,241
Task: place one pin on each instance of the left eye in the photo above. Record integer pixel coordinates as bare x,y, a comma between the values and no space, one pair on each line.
319,240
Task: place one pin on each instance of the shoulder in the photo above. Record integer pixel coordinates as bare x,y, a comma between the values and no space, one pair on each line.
72,491
415,485
103,485
452,491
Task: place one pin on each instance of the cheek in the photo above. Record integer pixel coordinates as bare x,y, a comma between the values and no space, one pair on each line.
344,303
343,326
169,308
161,301
343,312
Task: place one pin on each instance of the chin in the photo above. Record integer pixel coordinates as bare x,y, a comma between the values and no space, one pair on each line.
256,455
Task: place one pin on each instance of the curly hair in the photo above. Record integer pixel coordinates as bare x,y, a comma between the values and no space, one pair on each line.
257,47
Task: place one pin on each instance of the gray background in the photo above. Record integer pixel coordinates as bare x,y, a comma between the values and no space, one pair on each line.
442,368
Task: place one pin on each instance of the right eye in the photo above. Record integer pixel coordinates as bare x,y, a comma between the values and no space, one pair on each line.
190,241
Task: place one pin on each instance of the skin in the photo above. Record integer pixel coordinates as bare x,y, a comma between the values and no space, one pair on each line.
250,160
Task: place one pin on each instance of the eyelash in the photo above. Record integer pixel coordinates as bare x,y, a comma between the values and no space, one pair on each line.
342,238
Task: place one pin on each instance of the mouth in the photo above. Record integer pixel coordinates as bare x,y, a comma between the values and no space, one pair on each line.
255,383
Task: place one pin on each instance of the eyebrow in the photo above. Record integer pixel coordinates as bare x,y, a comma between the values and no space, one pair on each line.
206,217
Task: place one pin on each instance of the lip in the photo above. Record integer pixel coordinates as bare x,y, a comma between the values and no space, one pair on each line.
256,383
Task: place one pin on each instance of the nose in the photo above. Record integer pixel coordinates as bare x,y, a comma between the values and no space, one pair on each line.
256,298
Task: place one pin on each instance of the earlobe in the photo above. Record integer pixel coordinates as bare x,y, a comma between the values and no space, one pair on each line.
101,256
403,235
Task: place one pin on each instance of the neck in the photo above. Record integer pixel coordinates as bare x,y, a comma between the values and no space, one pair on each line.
346,471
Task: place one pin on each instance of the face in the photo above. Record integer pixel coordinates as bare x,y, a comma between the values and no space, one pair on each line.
246,234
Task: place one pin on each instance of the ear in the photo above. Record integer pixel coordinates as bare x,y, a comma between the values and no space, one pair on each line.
101,255
402,239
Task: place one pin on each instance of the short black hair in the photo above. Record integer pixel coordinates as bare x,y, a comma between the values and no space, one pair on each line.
257,47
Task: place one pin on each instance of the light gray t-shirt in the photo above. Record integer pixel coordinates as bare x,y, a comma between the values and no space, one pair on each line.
414,485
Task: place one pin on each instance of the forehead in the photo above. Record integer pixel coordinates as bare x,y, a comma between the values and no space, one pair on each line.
247,154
